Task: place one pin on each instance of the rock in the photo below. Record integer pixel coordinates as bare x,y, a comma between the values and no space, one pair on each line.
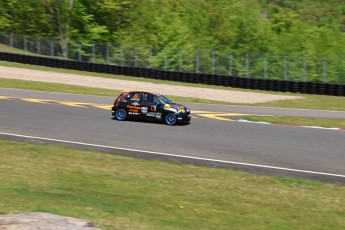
43,221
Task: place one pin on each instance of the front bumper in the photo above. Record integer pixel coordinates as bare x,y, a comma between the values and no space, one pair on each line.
183,117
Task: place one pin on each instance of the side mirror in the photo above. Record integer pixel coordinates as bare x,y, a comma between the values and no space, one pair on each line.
159,103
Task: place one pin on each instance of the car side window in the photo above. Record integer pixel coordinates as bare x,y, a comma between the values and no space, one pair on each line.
156,100
135,97
147,98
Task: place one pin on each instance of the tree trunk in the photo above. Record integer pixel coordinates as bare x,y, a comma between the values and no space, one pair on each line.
62,19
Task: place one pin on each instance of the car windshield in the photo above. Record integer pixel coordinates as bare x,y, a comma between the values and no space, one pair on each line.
164,99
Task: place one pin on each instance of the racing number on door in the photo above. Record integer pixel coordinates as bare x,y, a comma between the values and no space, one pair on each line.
153,108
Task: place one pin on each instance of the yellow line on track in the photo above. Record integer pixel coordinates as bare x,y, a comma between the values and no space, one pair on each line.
216,117
73,104
105,107
195,113
200,111
34,100
4,98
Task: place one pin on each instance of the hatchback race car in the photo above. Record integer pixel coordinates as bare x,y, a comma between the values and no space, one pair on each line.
144,105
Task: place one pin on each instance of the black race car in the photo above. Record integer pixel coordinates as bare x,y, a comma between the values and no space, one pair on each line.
149,106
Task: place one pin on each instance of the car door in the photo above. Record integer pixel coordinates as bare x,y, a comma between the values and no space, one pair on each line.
149,107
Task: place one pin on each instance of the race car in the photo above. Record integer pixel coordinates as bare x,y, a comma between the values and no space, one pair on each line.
142,105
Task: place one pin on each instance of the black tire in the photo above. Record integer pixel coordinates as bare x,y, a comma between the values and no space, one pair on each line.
121,114
170,119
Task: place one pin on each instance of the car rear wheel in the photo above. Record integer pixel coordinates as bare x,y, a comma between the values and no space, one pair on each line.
121,114
170,119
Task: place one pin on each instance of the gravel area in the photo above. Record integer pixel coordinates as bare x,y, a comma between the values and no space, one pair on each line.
106,83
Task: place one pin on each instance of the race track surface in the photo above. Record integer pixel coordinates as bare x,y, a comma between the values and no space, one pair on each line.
211,139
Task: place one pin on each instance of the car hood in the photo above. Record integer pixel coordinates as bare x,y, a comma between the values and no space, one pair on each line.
178,107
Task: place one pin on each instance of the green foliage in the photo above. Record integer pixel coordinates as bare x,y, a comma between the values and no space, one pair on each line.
195,29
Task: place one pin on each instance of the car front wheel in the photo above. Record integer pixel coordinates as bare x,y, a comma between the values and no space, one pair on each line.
121,114
170,119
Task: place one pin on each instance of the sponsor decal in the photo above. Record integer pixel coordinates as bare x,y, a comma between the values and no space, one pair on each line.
154,114
133,107
144,110
182,110
134,113
153,108
135,103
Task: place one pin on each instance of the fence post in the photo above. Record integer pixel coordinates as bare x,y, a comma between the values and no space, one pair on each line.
230,64
52,47
213,62
197,62
265,67
165,60
11,40
107,54
79,52
67,49
304,69
121,56
150,58
247,64
93,52
38,45
136,58
180,61
325,70
285,67
25,43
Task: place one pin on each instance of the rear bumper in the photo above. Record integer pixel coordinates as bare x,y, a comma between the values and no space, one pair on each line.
113,110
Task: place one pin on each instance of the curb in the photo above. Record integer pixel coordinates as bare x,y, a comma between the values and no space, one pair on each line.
291,125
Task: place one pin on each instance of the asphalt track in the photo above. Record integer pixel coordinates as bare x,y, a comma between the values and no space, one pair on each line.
211,139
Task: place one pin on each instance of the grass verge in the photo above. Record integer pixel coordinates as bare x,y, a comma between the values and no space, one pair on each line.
118,192
305,121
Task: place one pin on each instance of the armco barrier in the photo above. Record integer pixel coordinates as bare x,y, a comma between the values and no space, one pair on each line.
209,79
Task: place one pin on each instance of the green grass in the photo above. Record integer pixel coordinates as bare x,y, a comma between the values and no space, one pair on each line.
307,121
8,49
118,192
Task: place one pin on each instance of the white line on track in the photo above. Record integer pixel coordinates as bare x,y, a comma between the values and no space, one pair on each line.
172,155
279,108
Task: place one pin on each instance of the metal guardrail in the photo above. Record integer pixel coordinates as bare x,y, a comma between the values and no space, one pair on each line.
208,79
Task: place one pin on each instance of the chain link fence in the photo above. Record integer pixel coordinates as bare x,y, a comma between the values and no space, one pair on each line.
225,62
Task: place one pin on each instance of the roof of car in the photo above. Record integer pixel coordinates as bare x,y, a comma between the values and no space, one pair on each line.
138,91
